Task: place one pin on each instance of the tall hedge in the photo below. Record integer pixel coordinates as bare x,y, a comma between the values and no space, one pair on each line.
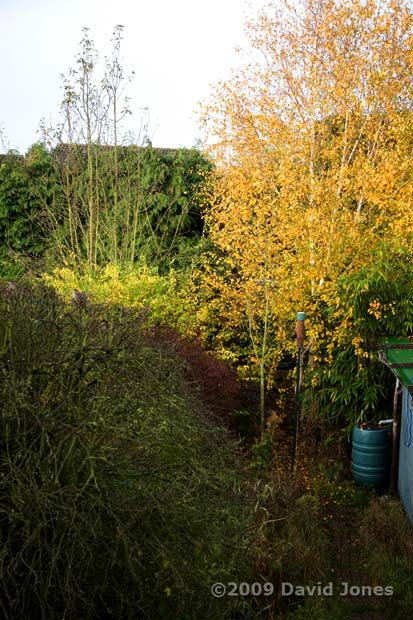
27,186
147,205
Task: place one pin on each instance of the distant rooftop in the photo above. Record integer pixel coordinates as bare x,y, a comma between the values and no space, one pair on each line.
62,149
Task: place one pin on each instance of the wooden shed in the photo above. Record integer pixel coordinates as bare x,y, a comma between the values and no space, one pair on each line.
397,354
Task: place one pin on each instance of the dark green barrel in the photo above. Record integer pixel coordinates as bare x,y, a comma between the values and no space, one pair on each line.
370,457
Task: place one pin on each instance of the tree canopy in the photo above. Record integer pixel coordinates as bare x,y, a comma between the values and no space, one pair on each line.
313,142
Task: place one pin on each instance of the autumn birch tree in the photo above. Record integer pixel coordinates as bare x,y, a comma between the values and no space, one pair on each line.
312,139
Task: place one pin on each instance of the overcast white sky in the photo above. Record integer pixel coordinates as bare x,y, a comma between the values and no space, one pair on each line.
176,47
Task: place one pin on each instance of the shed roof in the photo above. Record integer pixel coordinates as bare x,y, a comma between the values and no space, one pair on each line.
397,354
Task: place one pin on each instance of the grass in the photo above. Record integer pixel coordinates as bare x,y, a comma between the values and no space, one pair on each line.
387,538
370,544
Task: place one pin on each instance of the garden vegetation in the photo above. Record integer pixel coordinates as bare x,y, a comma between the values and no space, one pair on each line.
148,305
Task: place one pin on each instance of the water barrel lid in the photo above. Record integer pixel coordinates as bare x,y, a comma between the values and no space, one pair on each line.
370,426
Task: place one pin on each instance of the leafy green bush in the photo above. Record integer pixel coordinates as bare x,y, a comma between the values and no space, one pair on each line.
119,498
146,204
26,187
348,383
167,297
149,203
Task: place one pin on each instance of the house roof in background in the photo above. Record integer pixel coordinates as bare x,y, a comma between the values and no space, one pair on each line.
4,155
63,149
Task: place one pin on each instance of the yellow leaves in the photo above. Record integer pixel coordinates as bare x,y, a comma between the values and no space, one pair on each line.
356,342
167,297
380,310
375,309
314,381
64,279
313,152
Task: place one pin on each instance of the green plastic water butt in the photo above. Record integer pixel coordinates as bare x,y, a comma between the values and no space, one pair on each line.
370,457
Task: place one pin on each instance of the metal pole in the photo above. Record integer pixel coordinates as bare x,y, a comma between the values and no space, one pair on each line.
300,331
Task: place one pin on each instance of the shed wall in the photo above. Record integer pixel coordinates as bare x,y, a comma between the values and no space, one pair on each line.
406,454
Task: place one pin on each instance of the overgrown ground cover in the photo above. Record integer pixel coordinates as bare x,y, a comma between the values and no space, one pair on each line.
125,496
369,545
120,497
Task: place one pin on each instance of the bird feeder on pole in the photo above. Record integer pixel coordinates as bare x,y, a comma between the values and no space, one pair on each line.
300,330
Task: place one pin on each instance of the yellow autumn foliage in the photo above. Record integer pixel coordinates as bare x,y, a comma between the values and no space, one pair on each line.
312,141
167,298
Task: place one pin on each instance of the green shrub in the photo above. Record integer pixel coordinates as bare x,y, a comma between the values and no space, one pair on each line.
347,383
26,187
120,498
147,203
168,297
